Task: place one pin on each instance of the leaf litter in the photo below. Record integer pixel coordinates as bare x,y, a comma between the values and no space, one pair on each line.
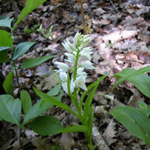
120,40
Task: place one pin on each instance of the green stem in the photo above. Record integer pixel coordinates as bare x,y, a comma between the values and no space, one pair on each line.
14,65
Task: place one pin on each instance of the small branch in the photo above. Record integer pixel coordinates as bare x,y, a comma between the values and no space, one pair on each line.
98,139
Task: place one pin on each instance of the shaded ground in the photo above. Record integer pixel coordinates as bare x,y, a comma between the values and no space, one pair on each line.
120,33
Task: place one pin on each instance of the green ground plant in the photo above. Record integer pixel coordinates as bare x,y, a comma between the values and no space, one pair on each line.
135,120
10,107
76,82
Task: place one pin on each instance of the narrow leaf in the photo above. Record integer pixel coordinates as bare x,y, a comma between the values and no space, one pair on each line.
32,62
8,84
21,48
25,101
54,101
10,109
46,125
29,6
75,128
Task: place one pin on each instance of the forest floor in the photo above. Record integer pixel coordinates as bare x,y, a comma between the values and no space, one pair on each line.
121,39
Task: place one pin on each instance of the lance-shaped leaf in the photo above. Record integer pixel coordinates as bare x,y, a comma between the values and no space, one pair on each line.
32,62
10,109
8,84
29,6
25,101
5,40
137,78
6,22
75,128
134,120
54,101
20,49
46,125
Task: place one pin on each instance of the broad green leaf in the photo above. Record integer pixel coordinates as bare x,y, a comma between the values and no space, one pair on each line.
4,56
46,125
10,109
20,49
29,6
54,101
136,77
8,84
6,22
142,83
25,101
32,62
40,107
75,128
90,87
6,40
33,113
46,105
134,120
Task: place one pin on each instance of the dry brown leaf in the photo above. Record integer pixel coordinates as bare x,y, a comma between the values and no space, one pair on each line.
67,140
110,132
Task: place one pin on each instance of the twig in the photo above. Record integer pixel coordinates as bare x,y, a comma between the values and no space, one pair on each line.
98,139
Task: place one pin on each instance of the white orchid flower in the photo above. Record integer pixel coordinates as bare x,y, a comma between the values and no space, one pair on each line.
71,57
80,82
62,66
63,76
68,46
88,65
80,72
77,38
86,52
65,87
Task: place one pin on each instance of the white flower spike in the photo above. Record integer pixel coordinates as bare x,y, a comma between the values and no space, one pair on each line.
71,57
62,66
68,46
80,82
88,65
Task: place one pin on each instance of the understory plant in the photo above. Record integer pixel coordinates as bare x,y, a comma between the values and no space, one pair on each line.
135,120
10,107
73,81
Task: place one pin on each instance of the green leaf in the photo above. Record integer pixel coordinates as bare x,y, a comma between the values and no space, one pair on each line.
21,48
33,113
25,101
10,109
29,6
136,77
6,22
90,87
8,84
46,125
32,62
75,128
41,106
54,101
54,91
90,124
134,120
4,56
142,83
6,40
